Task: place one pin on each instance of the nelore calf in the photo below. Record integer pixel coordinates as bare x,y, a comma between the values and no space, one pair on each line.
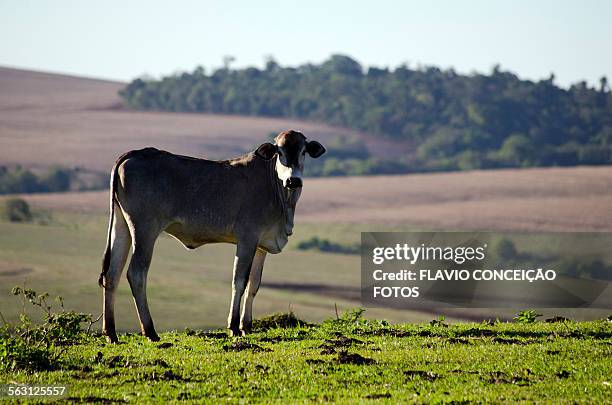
248,201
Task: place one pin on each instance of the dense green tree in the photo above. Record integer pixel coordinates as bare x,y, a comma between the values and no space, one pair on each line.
19,180
453,121
57,178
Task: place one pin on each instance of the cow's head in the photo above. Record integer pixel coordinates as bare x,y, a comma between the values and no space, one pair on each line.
291,148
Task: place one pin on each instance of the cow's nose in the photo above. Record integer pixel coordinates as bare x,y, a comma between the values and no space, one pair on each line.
294,182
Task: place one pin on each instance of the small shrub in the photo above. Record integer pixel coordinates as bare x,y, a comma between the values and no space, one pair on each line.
32,347
324,245
16,210
19,354
351,317
439,322
505,249
279,320
527,316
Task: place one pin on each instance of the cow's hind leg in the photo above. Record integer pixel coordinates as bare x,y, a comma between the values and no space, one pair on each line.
246,322
144,242
120,243
242,268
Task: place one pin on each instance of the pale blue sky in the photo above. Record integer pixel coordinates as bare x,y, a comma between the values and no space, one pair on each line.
124,39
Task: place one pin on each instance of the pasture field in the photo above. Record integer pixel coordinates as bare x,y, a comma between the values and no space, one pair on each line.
343,360
577,199
192,288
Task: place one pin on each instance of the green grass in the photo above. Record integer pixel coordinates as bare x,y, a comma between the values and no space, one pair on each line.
503,362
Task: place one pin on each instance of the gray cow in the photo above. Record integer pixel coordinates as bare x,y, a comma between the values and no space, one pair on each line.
248,201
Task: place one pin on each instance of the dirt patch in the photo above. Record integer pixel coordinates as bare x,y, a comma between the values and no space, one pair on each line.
301,335
328,350
262,368
342,341
331,346
94,400
131,363
315,361
509,341
166,375
387,332
241,345
385,395
110,362
462,341
499,377
344,357
563,374
164,345
213,334
476,332
458,371
425,375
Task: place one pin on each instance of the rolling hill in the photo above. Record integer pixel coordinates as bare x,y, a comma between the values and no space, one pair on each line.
51,119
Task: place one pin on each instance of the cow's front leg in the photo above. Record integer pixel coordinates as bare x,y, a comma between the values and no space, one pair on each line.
246,322
242,268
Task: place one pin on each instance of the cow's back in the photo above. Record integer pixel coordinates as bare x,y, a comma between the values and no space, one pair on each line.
198,197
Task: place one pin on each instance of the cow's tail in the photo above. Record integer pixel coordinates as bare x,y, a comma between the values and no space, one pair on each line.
113,199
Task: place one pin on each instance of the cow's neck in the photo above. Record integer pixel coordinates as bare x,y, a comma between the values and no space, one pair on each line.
285,201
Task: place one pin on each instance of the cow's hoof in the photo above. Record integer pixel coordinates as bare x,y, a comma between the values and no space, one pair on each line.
111,338
152,337
246,327
235,332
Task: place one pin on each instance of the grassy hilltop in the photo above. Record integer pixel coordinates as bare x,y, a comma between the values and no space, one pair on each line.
345,360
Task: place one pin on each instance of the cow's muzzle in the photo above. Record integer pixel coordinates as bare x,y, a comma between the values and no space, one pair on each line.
293,183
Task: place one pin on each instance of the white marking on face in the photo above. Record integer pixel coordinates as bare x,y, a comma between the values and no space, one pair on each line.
284,170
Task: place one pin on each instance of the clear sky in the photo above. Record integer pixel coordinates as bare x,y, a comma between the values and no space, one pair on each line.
125,39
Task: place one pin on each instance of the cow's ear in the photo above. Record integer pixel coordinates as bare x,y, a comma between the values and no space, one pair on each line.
315,149
266,151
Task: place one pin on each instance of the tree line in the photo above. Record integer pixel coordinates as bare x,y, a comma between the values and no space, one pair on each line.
450,121
14,180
